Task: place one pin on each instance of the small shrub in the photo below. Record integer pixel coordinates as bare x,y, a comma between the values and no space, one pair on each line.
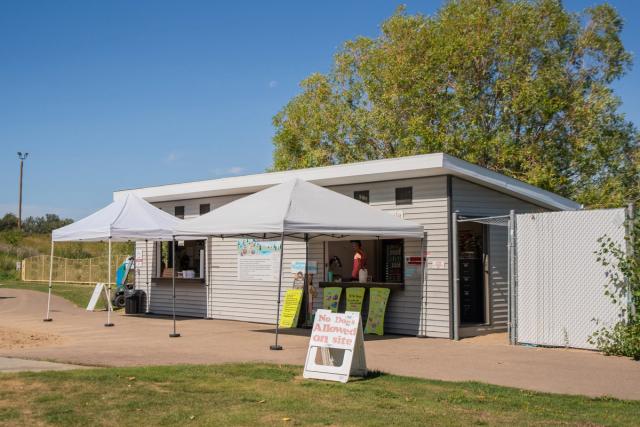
621,340
623,272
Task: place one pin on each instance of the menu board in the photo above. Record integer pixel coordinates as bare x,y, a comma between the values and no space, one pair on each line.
258,261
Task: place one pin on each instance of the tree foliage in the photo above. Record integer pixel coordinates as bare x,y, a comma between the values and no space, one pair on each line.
34,224
520,87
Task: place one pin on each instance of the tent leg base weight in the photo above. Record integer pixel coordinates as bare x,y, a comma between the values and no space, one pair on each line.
108,325
48,319
275,347
174,335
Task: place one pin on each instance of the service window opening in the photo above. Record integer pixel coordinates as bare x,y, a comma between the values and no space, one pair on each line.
384,260
189,259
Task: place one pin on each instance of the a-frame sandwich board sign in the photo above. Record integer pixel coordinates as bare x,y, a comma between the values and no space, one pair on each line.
336,347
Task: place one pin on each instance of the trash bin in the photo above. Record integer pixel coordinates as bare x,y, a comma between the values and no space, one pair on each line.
134,301
131,304
142,300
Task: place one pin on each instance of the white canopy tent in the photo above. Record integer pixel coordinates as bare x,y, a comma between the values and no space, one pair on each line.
127,219
301,210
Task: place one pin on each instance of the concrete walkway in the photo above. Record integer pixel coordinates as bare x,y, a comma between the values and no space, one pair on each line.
138,341
8,364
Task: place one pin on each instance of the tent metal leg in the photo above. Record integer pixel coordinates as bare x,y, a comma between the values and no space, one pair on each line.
276,346
173,285
47,317
109,324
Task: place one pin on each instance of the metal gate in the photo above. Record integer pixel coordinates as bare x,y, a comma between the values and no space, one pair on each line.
558,289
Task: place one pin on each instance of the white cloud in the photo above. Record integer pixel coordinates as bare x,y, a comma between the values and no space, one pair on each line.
171,157
233,170
273,84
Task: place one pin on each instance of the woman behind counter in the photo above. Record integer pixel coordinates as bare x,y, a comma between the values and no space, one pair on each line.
359,259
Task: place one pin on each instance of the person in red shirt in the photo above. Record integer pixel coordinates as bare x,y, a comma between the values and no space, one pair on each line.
359,259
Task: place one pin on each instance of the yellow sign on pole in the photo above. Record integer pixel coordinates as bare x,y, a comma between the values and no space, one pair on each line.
291,308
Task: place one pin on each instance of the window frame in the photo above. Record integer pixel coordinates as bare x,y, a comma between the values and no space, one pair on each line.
356,193
208,208
404,201
175,211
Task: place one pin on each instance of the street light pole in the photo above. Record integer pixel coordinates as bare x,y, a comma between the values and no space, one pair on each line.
22,157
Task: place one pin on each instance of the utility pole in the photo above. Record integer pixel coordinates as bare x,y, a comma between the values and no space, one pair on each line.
22,157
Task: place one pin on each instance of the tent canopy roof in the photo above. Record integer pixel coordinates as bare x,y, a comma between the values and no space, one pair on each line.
298,208
130,218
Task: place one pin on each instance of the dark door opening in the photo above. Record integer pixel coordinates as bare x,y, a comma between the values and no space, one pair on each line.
471,249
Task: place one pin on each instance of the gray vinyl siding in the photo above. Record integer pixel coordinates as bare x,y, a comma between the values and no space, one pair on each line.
429,208
228,298
191,299
474,200
144,268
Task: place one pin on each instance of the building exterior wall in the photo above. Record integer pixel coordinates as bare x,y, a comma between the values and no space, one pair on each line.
474,200
224,297
228,298
405,313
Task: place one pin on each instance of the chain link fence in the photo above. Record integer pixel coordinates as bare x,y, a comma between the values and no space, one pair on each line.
68,270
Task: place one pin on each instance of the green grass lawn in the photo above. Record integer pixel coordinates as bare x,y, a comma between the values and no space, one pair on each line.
77,294
259,394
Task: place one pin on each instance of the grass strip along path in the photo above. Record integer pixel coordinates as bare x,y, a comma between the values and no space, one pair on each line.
259,394
77,294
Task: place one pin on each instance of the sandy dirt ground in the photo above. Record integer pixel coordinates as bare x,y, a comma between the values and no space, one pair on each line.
78,337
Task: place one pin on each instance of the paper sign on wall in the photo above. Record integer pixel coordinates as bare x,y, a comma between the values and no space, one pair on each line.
298,267
291,308
95,296
258,261
336,347
378,298
354,299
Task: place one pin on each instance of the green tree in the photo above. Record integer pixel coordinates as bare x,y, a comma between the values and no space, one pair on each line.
520,87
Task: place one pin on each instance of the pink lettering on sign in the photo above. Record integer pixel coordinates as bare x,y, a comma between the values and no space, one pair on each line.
335,330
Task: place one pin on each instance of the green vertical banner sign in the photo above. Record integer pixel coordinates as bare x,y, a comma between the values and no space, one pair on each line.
378,298
331,299
291,308
355,297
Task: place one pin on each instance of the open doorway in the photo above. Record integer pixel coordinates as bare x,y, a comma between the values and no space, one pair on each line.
472,250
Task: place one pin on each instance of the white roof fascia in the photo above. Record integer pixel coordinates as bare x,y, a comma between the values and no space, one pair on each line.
352,173
497,181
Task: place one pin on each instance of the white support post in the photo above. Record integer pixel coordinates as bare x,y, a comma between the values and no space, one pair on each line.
174,334
276,346
109,324
456,277
47,317
511,300
423,286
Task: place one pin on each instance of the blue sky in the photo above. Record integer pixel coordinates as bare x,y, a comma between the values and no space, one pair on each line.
119,94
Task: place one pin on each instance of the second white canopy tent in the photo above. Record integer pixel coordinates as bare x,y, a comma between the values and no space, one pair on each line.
300,210
125,220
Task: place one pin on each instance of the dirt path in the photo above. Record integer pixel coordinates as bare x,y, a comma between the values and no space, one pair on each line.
81,338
